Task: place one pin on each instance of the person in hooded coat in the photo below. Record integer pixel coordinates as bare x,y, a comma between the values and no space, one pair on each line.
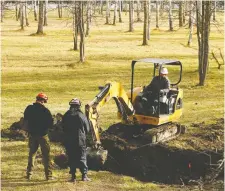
75,127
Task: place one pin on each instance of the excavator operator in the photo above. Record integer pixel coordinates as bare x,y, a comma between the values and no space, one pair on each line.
159,86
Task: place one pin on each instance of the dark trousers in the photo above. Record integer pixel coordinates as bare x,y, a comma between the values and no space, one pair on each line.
77,158
34,142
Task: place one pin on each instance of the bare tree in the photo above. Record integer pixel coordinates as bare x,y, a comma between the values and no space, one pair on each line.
101,7
157,15
138,11
191,22
26,14
40,18
170,16
214,10
203,31
75,26
131,16
107,11
115,12
81,30
145,28
2,10
149,18
88,20
60,8
120,9
22,15
217,59
181,10
184,11
17,11
45,13
35,10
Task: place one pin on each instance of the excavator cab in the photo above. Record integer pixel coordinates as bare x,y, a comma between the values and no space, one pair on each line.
156,108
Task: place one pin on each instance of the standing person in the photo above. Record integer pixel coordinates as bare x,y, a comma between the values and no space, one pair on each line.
38,120
76,127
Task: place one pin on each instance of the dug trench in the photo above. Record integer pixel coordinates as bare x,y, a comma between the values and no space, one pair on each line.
198,154
160,162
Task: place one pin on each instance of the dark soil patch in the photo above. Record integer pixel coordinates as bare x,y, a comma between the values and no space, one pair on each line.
161,163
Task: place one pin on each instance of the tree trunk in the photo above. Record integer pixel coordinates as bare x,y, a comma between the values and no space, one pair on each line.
2,10
203,30
157,14
35,10
75,27
88,18
131,16
115,13
81,29
107,12
60,9
170,16
40,18
26,14
145,38
184,11
120,16
214,10
138,11
45,13
22,16
181,10
191,25
100,8
149,18
17,12
190,14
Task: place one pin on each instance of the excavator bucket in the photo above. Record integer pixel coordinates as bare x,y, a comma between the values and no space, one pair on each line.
96,158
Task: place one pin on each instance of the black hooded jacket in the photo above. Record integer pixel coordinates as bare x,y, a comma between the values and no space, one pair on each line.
75,127
39,119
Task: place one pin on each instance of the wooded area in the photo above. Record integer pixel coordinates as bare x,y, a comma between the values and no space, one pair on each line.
191,13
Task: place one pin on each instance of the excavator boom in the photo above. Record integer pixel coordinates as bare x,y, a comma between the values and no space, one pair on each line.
110,90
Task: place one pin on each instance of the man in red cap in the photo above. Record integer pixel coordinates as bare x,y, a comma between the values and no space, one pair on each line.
38,120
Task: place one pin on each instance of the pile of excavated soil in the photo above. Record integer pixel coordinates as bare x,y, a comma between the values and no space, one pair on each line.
164,162
16,130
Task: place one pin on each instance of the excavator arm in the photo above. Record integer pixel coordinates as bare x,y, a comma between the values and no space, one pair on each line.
110,90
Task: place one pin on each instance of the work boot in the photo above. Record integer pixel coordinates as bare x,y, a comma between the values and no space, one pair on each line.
50,178
85,178
28,177
73,178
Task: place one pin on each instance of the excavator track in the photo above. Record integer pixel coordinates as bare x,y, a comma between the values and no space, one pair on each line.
138,136
163,133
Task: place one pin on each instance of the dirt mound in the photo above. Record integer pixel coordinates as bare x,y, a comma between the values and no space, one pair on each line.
161,163
17,131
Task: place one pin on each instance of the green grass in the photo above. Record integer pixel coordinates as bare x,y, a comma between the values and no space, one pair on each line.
31,64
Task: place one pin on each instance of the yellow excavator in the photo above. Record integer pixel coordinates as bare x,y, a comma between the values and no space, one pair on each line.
156,116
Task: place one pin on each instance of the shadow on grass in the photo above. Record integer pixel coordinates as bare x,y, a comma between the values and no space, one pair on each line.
18,182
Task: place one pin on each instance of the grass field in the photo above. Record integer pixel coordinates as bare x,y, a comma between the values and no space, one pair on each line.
31,64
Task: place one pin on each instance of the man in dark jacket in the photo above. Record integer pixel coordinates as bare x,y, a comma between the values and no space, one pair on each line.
160,83
76,127
159,87
38,120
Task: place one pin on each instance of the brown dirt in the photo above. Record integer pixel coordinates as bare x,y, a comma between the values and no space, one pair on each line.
164,162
